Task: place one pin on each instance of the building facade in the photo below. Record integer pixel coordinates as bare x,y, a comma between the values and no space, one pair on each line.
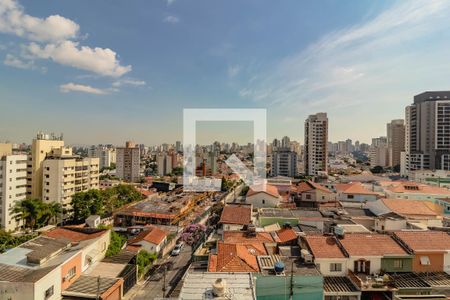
395,141
106,155
427,138
128,162
13,187
66,174
40,147
316,143
284,163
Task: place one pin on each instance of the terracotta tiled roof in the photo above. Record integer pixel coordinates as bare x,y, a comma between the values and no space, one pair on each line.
323,246
362,244
286,235
234,258
309,185
269,189
414,187
409,207
74,235
232,214
354,188
134,248
152,235
425,240
241,237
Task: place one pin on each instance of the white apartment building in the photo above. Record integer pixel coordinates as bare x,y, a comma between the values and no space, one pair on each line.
164,164
128,162
427,138
106,155
284,163
316,144
66,174
13,187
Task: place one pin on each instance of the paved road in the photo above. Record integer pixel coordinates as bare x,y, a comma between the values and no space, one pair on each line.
152,287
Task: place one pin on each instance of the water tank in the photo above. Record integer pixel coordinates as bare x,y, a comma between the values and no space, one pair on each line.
279,267
219,287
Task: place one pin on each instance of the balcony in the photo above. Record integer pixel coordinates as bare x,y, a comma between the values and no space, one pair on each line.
369,283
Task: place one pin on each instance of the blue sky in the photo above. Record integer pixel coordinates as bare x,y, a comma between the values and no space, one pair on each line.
106,71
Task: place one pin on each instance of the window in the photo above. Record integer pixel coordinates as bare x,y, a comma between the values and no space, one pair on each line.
398,264
350,196
49,292
335,267
263,201
308,196
72,272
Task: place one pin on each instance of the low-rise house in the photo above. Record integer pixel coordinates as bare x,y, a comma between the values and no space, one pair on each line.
413,190
285,237
152,239
327,254
97,242
390,222
89,287
374,253
340,287
355,192
311,194
234,217
431,249
41,268
263,197
409,209
269,216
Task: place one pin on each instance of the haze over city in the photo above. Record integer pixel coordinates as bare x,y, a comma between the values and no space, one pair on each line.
121,70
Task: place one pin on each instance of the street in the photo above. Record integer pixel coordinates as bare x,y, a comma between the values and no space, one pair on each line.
152,287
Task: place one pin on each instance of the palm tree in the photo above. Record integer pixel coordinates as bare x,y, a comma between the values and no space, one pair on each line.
50,213
29,210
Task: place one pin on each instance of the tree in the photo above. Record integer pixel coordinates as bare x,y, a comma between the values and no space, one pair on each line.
377,170
193,233
87,203
145,259
35,213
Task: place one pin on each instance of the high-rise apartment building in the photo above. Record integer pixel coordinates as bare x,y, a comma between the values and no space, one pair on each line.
128,162
395,141
40,147
284,163
65,174
164,163
106,155
316,140
13,185
427,138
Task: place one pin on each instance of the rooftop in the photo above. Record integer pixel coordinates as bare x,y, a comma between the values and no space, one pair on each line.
276,213
73,234
405,207
199,286
233,214
323,246
268,189
353,188
151,234
363,244
87,286
338,284
305,186
425,240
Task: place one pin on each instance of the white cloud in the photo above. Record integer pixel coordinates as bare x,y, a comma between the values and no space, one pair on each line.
233,70
13,61
170,2
132,82
171,19
15,21
74,87
102,61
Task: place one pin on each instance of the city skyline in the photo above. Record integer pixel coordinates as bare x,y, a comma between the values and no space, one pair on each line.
362,63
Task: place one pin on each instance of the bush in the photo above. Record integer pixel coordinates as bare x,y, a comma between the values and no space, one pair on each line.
116,243
8,241
145,259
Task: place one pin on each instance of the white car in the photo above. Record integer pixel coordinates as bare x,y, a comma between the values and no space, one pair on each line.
176,250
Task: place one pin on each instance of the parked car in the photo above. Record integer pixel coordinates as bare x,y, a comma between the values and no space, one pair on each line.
177,249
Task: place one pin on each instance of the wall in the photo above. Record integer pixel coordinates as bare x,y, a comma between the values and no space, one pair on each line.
375,263
51,279
99,247
356,197
264,221
257,200
231,227
436,259
324,266
389,224
16,290
75,261
278,287
447,262
387,264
